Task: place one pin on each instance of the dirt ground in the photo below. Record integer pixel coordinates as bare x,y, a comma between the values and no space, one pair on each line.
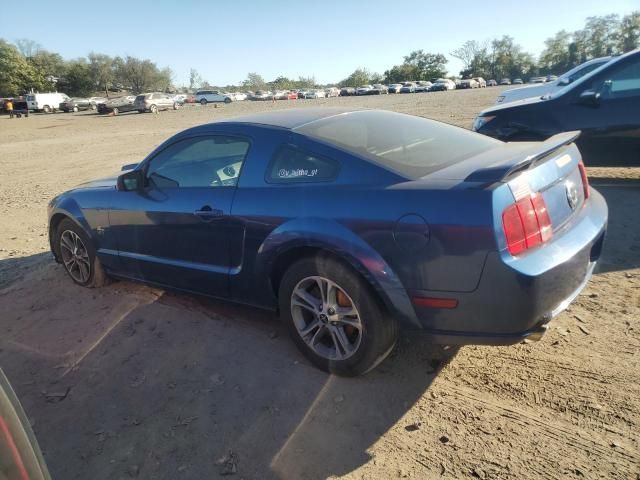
129,381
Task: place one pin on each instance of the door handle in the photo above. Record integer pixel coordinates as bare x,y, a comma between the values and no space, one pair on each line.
207,213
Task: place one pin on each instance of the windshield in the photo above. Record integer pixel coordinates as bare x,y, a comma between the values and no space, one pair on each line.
413,148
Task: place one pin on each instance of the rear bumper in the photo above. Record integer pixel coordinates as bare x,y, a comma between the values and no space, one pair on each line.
517,298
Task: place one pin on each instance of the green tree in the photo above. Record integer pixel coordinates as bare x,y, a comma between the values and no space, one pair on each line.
254,82
17,75
101,70
629,37
360,76
602,35
556,56
77,81
427,65
401,73
281,83
305,82
50,64
140,75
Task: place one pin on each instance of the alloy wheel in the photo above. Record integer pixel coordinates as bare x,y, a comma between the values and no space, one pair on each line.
326,318
75,256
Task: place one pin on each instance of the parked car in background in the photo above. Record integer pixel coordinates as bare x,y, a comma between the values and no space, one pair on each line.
492,83
408,87
518,81
551,78
45,102
292,95
118,105
76,104
443,84
550,87
97,100
347,91
482,83
262,95
317,93
379,89
180,98
155,102
469,83
212,96
537,79
364,90
603,105
190,98
280,95
423,86
505,81
332,92
320,214
395,88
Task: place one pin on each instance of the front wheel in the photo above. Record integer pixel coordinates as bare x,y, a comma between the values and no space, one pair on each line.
116,111
334,317
78,255
227,100
203,102
153,109
75,109
46,109
176,105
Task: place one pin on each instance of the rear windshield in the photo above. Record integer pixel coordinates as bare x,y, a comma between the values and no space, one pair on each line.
410,146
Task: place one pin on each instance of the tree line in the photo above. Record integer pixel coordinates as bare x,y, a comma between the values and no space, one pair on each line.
601,36
25,65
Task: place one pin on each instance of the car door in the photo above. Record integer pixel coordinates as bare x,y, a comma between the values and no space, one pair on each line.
608,115
177,229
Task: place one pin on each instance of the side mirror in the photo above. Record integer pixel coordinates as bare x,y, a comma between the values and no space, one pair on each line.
128,166
130,181
590,98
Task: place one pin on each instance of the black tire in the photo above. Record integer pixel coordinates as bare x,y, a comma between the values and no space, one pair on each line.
97,276
46,109
115,110
203,102
227,100
379,331
153,109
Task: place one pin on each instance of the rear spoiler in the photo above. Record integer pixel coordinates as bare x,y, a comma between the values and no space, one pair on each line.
532,156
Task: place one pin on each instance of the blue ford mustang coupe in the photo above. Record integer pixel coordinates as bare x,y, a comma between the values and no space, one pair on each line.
351,224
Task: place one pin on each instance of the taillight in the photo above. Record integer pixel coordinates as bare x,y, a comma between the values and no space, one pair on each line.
585,180
526,223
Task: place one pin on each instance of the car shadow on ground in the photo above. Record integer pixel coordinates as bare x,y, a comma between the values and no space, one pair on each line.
130,380
622,241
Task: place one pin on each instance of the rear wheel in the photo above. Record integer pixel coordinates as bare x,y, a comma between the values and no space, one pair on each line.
176,105
78,255
227,100
75,109
46,109
334,317
116,111
203,102
153,109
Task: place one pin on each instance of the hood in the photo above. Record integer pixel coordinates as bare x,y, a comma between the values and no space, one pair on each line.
108,182
514,104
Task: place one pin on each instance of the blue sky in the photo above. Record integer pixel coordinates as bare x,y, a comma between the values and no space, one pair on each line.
327,39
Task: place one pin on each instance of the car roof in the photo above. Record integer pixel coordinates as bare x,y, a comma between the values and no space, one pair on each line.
291,118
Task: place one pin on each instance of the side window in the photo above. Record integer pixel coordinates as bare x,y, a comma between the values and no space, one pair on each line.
292,165
622,83
211,161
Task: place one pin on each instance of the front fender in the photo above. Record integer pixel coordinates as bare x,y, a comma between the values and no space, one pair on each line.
67,207
337,239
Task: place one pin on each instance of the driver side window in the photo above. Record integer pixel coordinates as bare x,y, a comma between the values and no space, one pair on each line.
623,83
208,161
